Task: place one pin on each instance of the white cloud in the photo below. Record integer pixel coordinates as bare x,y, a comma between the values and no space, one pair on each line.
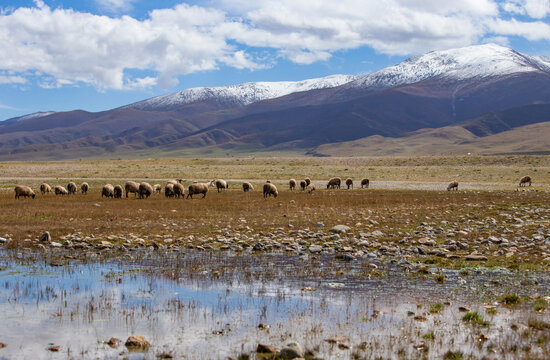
10,79
66,47
115,6
536,9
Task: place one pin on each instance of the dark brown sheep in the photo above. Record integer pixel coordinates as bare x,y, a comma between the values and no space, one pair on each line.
365,183
303,185
84,188
453,186
118,191
349,183
525,180
334,183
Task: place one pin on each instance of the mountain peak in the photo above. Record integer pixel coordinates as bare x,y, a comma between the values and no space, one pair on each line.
476,61
240,94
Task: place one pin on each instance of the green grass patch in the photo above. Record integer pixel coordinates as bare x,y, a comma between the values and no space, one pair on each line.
475,318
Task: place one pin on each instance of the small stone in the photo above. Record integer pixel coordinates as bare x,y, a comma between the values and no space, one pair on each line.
266,349
46,237
165,355
2,240
54,348
308,288
292,350
340,229
463,309
3,345
420,318
315,248
104,245
55,244
137,343
114,342
427,241
377,233
258,247
475,257
319,224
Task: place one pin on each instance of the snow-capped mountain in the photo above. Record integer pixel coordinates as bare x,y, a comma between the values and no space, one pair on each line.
433,90
30,116
472,62
241,94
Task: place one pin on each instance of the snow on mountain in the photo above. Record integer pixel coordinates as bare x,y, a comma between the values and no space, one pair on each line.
30,116
241,94
471,62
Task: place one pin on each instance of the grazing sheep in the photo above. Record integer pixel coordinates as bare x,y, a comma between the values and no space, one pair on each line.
118,192
169,190
109,191
179,190
84,187
310,188
247,186
174,181
270,189
71,188
197,188
157,188
303,185
220,184
25,191
60,190
308,181
349,183
525,180
131,187
365,182
334,183
453,185
145,190
292,184
45,188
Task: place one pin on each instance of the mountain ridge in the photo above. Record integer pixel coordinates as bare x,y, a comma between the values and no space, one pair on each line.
433,90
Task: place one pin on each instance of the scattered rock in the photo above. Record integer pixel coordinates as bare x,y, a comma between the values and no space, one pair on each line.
114,342
308,288
165,355
137,343
427,241
315,248
420,318
340,229
464,309
476,257
55,244
46,237
53,348
3,345
319,224
267,349
292,350
2,240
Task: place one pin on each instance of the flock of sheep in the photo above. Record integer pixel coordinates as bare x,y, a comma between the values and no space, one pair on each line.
174,188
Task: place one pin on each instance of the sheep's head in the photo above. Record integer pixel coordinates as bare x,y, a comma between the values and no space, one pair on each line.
33,195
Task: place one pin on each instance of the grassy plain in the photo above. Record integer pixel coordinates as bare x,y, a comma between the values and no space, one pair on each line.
397,210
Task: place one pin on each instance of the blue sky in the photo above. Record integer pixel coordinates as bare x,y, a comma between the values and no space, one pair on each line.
99,54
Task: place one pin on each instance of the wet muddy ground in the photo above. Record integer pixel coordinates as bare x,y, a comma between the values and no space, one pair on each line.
193,304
